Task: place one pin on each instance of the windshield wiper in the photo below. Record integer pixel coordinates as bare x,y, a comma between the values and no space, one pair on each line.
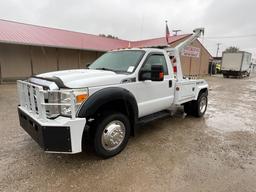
105,69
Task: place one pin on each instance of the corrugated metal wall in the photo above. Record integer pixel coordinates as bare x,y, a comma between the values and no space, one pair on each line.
22,61
68,59
43,59
15,61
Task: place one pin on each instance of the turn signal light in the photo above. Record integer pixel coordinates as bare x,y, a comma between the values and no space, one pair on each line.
81,98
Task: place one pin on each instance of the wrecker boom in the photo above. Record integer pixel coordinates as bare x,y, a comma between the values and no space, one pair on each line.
176,51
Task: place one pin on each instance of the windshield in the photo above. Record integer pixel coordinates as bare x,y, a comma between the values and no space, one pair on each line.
118,61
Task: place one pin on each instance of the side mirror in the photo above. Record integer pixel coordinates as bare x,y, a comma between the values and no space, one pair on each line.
155,74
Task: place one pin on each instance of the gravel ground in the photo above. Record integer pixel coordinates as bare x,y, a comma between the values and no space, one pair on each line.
214,153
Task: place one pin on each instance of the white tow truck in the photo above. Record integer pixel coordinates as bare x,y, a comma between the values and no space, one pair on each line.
103,104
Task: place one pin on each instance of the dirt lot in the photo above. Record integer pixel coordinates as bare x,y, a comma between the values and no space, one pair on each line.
214,153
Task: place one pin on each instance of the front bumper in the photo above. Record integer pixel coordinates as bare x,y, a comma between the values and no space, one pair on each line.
60,135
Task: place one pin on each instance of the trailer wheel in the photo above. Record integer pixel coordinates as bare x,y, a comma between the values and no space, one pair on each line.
111,134
197,108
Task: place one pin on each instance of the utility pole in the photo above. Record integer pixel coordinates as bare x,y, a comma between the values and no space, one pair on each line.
218,48
176,32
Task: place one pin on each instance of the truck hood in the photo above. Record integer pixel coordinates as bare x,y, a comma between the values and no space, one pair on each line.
79,78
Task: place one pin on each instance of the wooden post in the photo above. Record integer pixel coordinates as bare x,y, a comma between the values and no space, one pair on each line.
1,78
31,61
58,59
79,59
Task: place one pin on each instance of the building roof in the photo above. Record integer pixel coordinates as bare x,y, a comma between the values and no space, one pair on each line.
158,41
27,34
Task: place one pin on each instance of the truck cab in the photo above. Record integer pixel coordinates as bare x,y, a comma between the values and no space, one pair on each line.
149,77
103,104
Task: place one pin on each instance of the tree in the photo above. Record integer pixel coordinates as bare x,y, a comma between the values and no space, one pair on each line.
232,49
108,36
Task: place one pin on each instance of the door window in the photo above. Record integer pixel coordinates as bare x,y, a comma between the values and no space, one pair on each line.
155,60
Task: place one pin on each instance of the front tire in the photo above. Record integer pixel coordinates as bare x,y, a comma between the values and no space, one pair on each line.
112,134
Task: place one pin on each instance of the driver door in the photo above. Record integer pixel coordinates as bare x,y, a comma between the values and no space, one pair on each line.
154,96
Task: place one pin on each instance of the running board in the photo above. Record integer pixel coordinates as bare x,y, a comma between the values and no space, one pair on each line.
154,116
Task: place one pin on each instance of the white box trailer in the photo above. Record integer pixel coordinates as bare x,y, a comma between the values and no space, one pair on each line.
236,64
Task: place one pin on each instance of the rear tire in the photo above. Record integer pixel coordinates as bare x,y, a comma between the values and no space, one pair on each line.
111,134
188,107
197,108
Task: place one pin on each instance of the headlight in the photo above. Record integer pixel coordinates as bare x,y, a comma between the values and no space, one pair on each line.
79,96
67,98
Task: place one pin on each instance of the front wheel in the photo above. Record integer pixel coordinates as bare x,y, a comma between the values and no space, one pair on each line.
112,134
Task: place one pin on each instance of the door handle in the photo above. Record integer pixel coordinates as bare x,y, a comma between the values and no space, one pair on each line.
170,83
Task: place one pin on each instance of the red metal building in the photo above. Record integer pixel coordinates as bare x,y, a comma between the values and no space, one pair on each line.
27,49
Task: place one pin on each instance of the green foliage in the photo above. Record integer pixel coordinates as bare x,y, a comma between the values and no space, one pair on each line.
232,49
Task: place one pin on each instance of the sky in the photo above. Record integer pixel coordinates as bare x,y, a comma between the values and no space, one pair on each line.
229,22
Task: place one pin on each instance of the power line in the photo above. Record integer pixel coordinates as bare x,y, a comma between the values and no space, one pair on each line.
230,37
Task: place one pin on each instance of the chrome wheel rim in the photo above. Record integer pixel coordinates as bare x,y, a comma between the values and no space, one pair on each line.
113,135
203,104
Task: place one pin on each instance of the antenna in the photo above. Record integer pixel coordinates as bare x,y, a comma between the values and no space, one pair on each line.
176,32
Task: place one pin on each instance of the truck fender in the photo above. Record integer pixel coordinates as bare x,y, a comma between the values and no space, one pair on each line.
107,95
203,88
